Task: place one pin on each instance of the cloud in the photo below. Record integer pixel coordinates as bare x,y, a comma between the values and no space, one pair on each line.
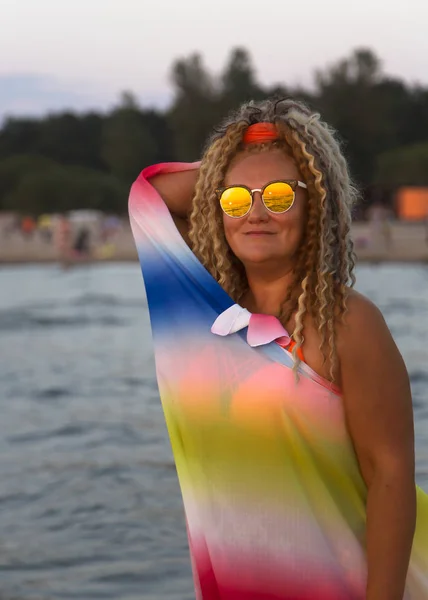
32,94
36,95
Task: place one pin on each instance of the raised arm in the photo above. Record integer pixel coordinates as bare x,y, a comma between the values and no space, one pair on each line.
176,190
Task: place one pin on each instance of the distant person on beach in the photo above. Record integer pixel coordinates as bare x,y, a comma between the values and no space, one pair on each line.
82,243
28,225
62,238
380,217
44,226
11,224
287,402
110,225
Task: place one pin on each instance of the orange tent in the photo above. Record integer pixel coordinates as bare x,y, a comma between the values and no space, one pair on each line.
412,203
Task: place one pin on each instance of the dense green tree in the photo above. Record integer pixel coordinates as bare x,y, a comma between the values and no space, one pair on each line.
133,138
414,116
66,138
407,165
89,160
19,136
346,96
14,168
195,108
127,145
60,189
201,100
238,83
72,139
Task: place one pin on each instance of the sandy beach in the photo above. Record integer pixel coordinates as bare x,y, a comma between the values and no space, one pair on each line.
399,242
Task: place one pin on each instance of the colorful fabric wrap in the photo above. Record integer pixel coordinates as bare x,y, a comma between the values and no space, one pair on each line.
274,500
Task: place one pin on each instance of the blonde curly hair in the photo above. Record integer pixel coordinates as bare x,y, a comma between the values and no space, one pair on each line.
325,263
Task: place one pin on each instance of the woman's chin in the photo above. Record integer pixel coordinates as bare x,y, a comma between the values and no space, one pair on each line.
261,258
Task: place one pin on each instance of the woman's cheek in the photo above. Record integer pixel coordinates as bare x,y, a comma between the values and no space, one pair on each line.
230,230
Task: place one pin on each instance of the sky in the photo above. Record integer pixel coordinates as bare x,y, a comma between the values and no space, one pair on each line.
81,54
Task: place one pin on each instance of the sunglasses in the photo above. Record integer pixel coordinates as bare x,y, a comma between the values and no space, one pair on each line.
277,196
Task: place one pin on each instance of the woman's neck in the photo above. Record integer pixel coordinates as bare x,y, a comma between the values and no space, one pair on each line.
266,292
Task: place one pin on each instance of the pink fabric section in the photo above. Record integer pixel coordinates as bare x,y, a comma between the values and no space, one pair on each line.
264,329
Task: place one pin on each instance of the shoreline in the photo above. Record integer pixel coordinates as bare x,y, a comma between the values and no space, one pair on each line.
391,242
19,262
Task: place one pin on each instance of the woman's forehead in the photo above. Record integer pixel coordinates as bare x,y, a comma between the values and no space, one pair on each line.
261,167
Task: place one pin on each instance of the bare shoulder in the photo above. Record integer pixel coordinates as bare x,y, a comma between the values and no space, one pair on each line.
368,354
365,345
359,306
363,318
361,327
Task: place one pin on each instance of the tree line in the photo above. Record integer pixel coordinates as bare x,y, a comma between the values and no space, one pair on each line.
72,161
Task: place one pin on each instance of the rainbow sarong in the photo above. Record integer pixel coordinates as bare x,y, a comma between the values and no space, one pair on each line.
272,491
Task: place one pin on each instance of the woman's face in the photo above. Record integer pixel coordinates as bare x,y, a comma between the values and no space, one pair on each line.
262,237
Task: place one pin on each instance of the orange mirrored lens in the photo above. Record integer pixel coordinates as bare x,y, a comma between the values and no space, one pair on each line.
236,201
278,197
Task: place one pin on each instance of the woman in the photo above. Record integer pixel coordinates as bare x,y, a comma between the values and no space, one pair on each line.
287,402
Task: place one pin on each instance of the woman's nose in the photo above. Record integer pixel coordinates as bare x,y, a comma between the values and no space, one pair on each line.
258,211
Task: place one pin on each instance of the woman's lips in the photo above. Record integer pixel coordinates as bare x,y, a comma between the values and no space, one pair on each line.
259,233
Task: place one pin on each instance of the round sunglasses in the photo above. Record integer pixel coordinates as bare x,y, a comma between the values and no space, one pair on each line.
277,196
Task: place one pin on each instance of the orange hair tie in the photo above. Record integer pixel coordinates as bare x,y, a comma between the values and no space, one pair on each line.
260,133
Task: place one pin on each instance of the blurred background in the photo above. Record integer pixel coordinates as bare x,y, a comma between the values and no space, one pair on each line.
91,92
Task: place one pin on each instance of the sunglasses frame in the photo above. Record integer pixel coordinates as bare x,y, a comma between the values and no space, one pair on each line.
293,183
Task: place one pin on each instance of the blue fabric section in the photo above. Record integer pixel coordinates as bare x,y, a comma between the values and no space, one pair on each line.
176,290
184,293
180,291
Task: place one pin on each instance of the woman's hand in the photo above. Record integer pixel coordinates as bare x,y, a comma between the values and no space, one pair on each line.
379,413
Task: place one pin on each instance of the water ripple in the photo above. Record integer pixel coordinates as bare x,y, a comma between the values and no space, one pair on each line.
90,505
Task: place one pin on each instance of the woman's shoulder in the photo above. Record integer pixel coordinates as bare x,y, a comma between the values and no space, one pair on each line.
362,319
358,328
364,341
